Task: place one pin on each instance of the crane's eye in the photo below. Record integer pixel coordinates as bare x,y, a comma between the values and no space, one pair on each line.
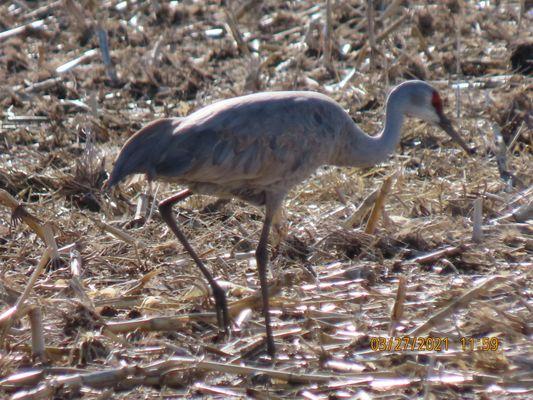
437,103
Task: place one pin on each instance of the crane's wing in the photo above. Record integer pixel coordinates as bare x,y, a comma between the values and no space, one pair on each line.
262,141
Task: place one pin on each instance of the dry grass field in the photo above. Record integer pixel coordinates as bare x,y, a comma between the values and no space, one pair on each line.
100,301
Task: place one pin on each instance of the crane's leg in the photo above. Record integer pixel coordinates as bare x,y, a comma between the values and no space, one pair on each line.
165,209
261,256
279,228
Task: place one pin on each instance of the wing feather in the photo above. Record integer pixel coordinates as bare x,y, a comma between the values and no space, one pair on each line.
260,142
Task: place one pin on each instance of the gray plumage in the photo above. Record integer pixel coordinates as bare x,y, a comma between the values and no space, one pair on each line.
239,146
257,147
270,140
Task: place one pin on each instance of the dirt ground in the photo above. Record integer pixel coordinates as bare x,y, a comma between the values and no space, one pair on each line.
419,308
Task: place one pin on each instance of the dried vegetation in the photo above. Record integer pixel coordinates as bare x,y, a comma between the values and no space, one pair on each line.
121,311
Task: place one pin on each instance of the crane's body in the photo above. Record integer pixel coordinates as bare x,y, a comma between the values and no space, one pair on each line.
257,147
230,148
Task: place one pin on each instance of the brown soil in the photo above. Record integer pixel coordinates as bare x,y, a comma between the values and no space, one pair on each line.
337,289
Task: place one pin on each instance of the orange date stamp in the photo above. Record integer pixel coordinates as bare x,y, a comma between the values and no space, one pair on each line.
428,343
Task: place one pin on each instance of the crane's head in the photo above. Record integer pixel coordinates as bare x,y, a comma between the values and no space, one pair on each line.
424,102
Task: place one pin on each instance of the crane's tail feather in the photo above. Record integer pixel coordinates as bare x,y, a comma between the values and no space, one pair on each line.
137,154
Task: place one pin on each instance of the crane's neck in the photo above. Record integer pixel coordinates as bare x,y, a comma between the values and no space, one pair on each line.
362,150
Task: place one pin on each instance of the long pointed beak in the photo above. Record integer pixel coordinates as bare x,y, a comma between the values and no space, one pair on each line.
447,126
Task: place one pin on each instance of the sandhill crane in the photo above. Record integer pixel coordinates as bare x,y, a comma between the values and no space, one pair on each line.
257,147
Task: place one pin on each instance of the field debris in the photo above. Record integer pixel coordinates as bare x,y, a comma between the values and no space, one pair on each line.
409,279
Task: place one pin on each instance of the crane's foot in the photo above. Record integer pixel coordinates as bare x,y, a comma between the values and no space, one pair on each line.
265,353
221,306
18,215
271,348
